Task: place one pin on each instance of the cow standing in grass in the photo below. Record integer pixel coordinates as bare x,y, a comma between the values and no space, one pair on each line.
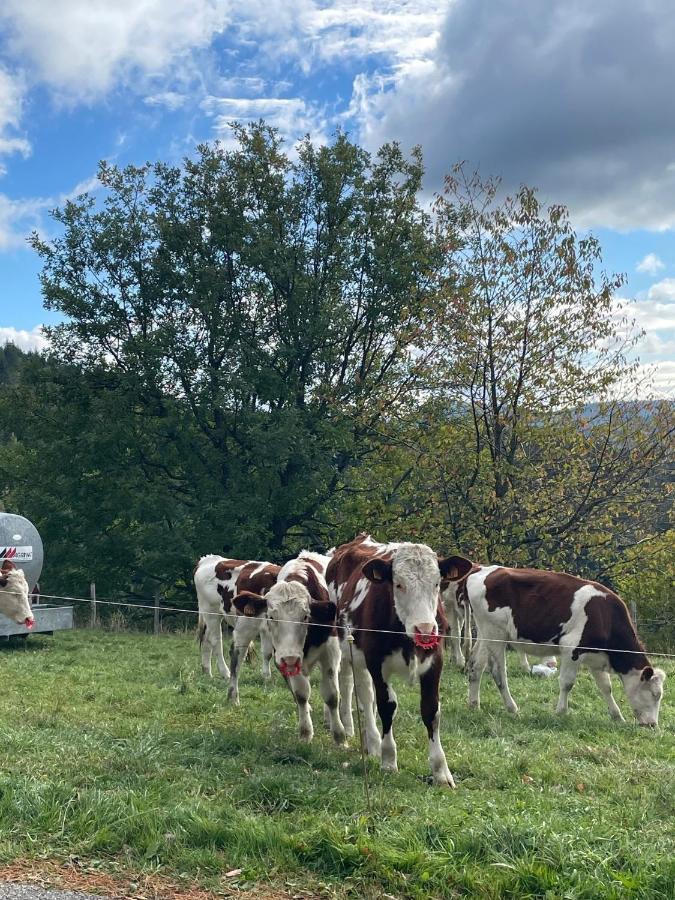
298,617
582,622
217,581
14,601
389,594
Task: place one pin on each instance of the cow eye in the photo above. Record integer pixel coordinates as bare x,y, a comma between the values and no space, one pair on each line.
400,587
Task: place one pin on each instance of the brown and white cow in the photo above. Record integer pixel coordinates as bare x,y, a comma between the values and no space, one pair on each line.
581,621
14,595
389,594
217,581
299,619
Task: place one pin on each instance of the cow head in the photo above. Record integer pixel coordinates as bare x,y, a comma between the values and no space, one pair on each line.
289,611
644,690
14,595
415,573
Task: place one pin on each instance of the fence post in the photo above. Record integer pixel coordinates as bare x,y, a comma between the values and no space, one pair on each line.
92,594
157,619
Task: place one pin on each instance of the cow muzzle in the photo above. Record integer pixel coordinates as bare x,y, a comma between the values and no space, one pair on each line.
290,666
425,636
29,622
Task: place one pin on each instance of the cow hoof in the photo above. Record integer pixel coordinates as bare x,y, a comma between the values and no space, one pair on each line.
512,710
389,767
340,738
474,704
444,780
306,735
233,697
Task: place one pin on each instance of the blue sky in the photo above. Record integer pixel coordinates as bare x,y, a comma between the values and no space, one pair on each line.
574,98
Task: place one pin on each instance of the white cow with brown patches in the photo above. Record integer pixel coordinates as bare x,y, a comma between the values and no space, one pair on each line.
217,581
583,622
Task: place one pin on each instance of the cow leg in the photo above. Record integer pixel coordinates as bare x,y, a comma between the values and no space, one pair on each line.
522,658
604,683
218,649
246,630
330,691
497,653
267,653
386,707
346,690
301,690
205,643
476,667
365,697
454,638
430,709
567,677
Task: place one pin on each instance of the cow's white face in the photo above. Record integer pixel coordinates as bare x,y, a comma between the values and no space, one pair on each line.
415,575
288,615
14,597
644,690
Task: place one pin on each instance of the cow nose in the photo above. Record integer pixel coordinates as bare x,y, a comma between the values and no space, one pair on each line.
291,662
426,627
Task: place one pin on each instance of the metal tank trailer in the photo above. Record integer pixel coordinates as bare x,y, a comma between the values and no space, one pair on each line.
21,542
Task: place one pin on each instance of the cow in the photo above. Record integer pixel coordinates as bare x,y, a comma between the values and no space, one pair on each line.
217,581
14,601
299,619
581,621
389,595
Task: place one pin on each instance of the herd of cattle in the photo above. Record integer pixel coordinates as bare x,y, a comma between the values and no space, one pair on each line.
367,611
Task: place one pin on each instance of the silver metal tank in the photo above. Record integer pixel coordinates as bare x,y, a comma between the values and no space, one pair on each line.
21,542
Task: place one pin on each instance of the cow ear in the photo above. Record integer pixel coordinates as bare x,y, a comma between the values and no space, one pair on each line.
322,611
647,673
249,604
378,570
454,568
7,566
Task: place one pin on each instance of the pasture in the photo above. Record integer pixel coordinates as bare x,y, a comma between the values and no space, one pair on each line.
114,748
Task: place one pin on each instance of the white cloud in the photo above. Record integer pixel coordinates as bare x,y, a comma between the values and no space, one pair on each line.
658,379
651,264
83,48
26,340
11,102
18,218
293,116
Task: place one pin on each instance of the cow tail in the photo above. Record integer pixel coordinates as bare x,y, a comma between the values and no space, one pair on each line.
201,629
468,638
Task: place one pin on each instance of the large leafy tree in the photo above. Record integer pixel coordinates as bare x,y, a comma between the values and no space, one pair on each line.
233,330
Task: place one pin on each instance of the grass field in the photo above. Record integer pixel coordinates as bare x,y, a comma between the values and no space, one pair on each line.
115,749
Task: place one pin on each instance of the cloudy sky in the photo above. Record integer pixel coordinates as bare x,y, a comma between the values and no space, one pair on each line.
574,97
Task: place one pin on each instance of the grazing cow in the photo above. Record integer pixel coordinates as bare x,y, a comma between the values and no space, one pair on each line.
580,621
217,582
14,595
299,618
392,592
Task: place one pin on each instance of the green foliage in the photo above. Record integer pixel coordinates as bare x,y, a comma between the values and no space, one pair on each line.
115,750
261,352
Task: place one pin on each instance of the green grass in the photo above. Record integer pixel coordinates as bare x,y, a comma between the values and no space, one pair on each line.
114,748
